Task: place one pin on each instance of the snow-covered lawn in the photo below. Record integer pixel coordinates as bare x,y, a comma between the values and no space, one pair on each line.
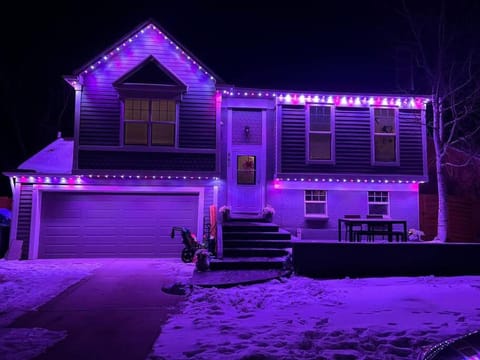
294,318
302,318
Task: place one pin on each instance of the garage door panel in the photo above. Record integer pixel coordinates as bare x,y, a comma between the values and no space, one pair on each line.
64,250
99,230
100,239
139,239
102,214
64,240
132,233
59,230
114,225
67,213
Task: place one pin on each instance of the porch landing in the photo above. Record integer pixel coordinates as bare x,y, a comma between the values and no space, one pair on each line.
333,259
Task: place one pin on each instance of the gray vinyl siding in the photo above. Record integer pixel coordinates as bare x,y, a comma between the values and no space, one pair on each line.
197,119
352,140
352,143
24,218
118,160
100,114
411,149
293,139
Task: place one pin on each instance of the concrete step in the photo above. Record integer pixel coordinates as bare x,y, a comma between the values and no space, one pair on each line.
228,278
245,218
256,243
270,235
249,226
250,263
256,252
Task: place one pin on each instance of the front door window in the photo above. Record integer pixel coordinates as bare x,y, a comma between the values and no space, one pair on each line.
246,170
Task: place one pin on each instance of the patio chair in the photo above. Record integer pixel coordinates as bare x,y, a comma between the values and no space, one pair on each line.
376,227
353,227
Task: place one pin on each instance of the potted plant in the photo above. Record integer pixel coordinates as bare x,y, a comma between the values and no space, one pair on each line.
225,211
268,212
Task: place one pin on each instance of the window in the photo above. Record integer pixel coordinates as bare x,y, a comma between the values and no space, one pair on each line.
378,203
246,170
315,203
150,122
319,137
385,136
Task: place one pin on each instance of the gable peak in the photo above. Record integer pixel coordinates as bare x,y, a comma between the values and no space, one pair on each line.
147,28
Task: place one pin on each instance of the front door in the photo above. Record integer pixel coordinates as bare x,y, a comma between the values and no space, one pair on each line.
246,161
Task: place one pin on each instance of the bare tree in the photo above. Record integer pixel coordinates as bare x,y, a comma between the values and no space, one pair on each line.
446,48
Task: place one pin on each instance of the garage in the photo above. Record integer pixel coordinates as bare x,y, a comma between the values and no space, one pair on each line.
125,225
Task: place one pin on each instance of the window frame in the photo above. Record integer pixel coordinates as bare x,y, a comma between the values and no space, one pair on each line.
149,122
305,202
373,134
378,202
308,160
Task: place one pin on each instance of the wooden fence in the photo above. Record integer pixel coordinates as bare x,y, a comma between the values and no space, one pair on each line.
463,218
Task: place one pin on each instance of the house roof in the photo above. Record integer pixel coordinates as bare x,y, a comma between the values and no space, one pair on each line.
55,158
400,99
296,97
129,39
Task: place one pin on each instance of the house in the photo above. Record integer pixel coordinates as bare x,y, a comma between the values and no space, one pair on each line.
160,138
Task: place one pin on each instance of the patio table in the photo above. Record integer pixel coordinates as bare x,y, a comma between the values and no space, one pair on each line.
371,223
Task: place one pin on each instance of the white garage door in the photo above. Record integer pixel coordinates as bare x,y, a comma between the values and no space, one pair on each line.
89,225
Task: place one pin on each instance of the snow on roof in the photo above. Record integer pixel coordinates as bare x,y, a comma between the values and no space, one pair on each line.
55,158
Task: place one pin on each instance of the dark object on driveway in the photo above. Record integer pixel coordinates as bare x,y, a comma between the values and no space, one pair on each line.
191,244
459,348
177,288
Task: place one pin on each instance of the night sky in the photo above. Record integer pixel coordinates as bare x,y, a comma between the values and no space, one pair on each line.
337,45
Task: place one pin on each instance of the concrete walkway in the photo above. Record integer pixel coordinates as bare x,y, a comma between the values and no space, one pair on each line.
116,313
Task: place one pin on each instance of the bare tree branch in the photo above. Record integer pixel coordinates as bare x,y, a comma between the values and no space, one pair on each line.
450,65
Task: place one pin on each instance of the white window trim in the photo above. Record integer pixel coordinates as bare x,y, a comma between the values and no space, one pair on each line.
331,132
315,216
379,203
372,138
149,145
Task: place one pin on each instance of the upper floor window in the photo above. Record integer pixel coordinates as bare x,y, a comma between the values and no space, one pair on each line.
378,203
320,135
150,122
385,136
315,203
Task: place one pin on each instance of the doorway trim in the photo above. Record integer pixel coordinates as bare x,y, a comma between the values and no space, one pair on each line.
258,150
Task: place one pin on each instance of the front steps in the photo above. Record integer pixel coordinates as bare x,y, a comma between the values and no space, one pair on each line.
250,244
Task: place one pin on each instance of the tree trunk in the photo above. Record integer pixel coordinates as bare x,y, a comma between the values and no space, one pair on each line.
442,218
442,226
